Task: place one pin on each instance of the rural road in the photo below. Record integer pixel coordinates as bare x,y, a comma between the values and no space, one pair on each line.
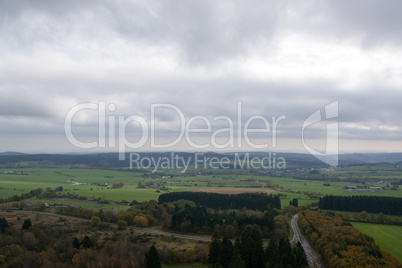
134,228
312,258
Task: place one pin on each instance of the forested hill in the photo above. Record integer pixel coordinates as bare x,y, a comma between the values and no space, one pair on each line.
111,160
106,160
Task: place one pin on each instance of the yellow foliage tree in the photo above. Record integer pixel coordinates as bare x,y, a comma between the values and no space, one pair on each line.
95,221
140,221
76,259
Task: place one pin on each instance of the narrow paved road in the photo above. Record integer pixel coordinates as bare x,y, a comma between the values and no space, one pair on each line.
312,258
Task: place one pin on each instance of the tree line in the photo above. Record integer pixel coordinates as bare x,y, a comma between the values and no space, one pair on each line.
16,198
225,201
370,204
196,219
340,244
248,251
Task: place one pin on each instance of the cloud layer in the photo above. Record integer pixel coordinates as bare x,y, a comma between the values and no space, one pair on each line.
277,58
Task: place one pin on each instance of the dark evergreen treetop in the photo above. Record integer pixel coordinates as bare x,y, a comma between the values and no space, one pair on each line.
3,224
152,257
27,223
87,242
370,204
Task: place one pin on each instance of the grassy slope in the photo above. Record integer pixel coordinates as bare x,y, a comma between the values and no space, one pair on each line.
388,237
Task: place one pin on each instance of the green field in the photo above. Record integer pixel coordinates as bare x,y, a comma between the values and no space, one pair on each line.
302,199
388,237
44,178
379,171
76,203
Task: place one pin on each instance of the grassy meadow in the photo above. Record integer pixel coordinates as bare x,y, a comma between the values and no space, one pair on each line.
388,237
44,178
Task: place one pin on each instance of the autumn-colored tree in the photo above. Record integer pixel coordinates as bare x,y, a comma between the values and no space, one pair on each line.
76,259
172,256
363,216
230,231
128,217
140,221
95,221
200,254
121,225
188,256
41,207
29,240
340,244
282,226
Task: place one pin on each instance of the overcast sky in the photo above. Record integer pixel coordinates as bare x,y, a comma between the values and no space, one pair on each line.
206,58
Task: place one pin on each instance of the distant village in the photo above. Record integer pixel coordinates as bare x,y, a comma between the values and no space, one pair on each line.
15,172
354,188
107,185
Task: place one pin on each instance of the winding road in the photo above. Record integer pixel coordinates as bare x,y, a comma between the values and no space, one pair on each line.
312,258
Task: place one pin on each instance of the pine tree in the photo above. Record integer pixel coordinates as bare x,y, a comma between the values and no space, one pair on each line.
27,223
214,249
295,202
3,224
237,261
76,243
272,252
285,252
300,256
251,248
152,257
226,253
87,242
